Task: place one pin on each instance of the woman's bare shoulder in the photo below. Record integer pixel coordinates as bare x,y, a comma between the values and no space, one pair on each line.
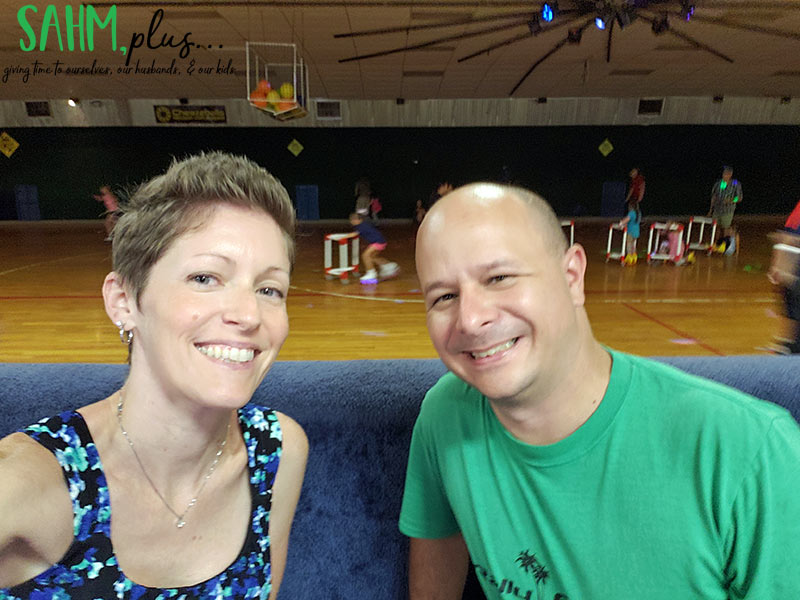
295,440
22,455
34,498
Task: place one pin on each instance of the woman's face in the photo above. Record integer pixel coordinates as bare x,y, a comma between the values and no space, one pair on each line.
212,317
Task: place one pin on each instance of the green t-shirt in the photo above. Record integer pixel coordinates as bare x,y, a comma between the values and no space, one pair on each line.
676,488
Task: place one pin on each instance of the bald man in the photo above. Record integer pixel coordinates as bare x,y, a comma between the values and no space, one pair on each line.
564,469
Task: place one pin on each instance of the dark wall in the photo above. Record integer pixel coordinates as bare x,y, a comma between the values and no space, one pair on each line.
681,163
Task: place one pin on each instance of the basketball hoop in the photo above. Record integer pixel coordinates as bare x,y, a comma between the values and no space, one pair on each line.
277,80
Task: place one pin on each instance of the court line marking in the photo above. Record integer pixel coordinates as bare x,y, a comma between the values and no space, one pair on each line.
372,294
311,292
654,290
76,297
766,349
47,262
683,334
690,301
604,301
357,297
308,292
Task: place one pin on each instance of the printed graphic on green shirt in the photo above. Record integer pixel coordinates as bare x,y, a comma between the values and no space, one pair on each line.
533,569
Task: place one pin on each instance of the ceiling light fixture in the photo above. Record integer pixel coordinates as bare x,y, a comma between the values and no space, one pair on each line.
549,11
687,10
623,17
534,25
660,25
549,17
574,35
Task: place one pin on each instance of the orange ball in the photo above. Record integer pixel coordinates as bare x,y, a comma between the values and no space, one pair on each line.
258,98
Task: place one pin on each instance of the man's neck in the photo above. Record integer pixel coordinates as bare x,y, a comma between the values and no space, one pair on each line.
556,409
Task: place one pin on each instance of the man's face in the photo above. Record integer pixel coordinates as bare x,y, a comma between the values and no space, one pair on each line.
634,173
501,306
727,174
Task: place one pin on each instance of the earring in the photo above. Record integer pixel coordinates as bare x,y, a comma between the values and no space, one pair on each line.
126,337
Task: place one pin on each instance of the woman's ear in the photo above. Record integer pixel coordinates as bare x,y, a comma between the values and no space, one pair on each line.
119,302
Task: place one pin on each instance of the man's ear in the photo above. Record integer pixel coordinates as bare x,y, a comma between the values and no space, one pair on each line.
574,266
119,302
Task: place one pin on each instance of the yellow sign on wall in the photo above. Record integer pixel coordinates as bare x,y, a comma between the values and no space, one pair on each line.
8,144
295,147
189,114
606,147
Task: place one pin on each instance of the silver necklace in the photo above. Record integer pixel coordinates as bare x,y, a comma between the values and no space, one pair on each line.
180,518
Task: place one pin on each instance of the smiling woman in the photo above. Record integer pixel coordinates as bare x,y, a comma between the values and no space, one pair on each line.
201,484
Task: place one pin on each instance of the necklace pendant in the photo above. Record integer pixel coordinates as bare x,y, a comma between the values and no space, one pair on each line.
180,521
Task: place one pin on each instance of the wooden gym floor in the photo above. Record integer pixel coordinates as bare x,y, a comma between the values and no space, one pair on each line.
51,309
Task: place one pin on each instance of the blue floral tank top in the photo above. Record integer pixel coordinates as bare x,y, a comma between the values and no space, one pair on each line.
89,569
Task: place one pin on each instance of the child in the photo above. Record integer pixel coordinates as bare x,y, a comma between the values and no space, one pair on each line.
110,201
675,244
375,244
633,219
375,207
785,273
363,196
419,213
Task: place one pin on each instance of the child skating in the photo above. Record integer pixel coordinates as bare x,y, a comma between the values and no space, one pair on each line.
633,220
374,243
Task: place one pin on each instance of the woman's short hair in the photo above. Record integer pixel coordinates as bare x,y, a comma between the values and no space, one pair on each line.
169,205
